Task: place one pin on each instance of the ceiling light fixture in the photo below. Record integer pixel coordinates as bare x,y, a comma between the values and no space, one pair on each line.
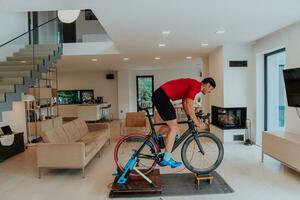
157,58
125,59
220,31
166,32
161,45
23,61
204,44
94,59
68,16
188,57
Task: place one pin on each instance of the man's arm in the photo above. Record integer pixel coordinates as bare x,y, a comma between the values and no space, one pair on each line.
188,106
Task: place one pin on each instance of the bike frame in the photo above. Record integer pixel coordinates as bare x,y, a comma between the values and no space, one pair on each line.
153,135
130,165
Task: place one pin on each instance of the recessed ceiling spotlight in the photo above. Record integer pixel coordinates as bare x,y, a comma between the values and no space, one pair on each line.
166,32
23,61
94,59
188,57
161,45
204,44
125,59
220,31
157,58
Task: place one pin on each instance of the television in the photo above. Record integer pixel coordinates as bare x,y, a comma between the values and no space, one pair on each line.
292,86
75,96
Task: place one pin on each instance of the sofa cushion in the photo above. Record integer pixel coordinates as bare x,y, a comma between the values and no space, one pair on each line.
72,131
96,136
82,126
89,148
90,144
56,135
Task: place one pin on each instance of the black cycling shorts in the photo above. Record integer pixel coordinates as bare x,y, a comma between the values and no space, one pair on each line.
163,105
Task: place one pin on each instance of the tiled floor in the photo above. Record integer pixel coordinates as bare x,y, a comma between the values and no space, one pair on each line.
241,168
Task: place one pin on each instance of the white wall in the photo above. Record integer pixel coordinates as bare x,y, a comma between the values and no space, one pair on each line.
89,27
236,78
124,91
13,24
287,37
127,84
216,71
90,48
205,73
95,80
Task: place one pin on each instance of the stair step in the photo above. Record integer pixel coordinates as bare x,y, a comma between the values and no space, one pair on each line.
2,97
30,54
15,74
43,46
11,80
30,50
17,68
27,62
25,58
7,88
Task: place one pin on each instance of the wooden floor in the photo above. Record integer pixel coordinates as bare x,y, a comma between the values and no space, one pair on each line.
241,169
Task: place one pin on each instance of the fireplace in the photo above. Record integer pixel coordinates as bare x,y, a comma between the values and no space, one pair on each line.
229,118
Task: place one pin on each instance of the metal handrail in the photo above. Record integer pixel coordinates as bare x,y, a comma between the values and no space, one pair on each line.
28,32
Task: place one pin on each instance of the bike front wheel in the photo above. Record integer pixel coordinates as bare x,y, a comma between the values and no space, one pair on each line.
200,163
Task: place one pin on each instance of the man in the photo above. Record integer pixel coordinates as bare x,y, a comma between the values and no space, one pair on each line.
185,89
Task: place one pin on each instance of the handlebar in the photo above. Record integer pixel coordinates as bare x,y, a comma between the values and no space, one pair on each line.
201,116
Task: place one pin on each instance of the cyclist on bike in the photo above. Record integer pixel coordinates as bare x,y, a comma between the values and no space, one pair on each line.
185,89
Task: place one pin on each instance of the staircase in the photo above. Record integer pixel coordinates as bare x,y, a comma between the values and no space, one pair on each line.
22,69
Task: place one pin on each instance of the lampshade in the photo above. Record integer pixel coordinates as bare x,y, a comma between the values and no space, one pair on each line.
68,16
27,97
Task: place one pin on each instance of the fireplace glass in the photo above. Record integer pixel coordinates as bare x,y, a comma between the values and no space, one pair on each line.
229,118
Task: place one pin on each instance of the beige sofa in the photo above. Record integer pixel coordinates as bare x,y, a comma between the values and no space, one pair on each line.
72,145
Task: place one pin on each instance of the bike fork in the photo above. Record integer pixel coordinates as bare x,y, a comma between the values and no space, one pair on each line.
198,144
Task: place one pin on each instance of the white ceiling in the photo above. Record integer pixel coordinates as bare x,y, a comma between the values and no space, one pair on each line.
135,25
115,62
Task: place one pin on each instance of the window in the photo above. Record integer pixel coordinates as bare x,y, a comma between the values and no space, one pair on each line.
144,87
274,90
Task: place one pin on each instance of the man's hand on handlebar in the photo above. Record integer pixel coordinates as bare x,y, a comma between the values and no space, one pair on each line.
200,125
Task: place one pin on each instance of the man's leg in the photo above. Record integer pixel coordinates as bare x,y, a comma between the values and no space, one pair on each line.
164,130
173,130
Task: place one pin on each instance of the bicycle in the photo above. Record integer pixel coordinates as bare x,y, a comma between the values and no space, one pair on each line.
147,151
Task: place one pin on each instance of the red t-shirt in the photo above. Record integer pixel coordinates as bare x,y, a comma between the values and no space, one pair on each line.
183,88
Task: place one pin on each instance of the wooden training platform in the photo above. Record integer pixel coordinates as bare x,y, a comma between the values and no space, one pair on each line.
199,178
137,185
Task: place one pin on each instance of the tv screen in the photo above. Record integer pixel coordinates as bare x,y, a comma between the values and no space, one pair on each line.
75,96
292,86
68,97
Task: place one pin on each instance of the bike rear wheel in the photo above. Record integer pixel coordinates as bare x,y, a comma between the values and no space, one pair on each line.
130,143
195,161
